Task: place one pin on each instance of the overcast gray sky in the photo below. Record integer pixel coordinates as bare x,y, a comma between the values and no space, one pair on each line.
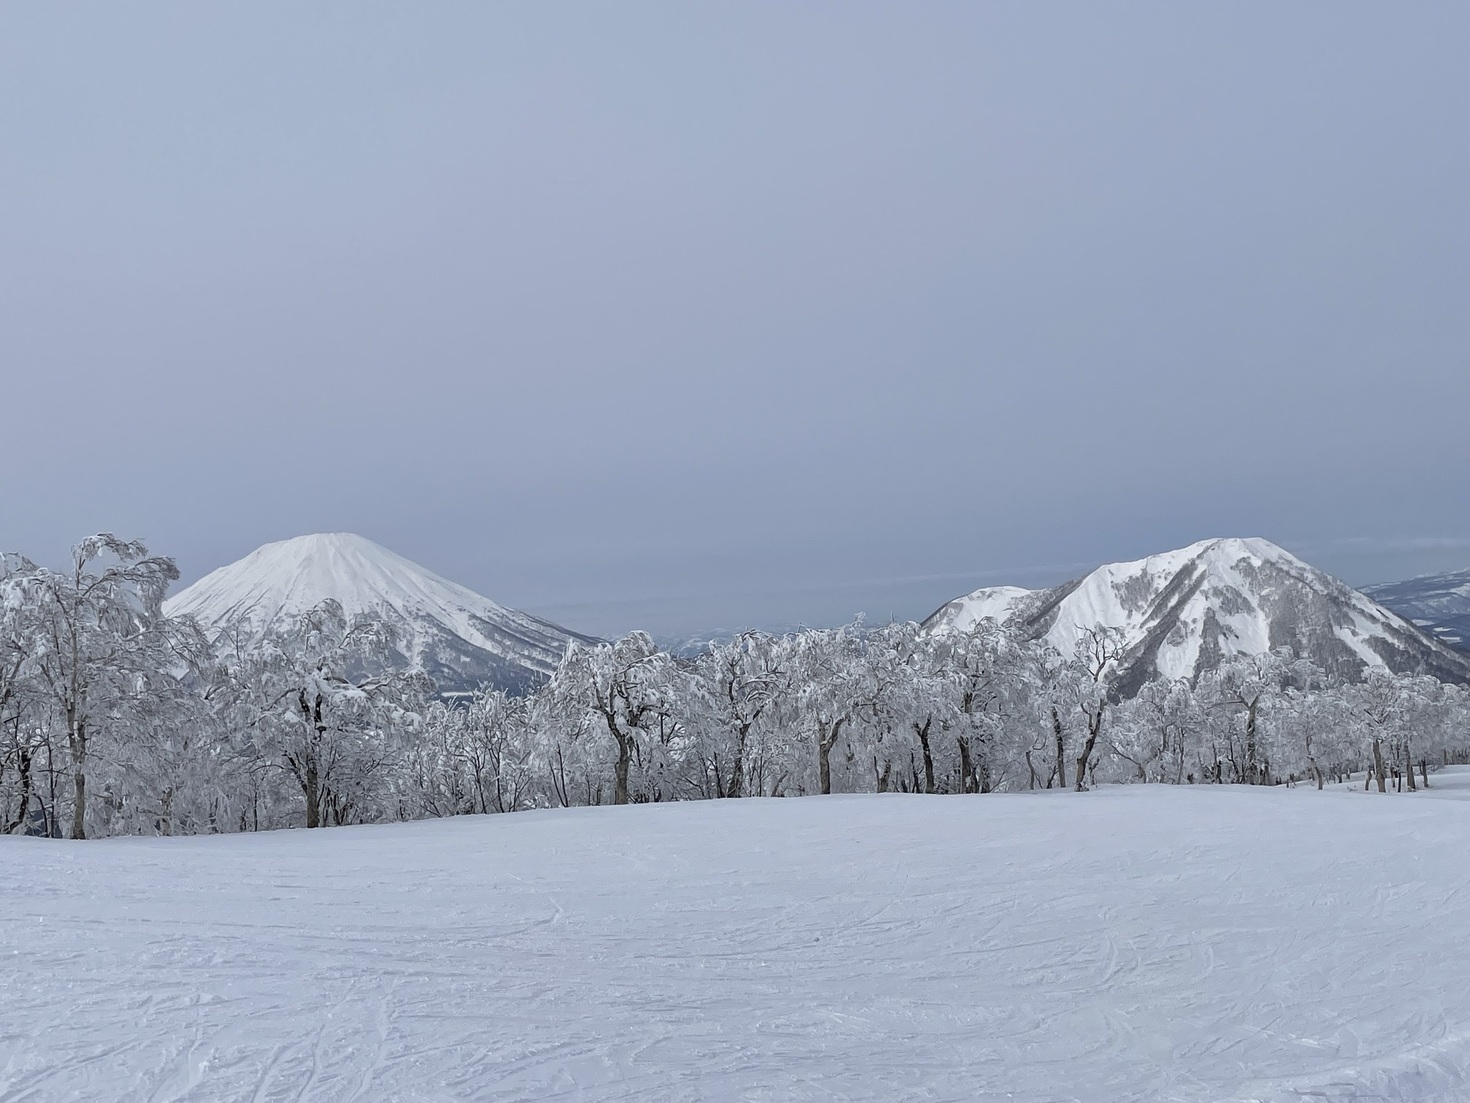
695,315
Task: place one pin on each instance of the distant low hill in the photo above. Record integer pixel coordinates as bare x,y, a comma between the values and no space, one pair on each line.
1437,603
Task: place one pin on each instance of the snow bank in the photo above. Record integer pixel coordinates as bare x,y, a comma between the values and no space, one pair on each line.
1195,944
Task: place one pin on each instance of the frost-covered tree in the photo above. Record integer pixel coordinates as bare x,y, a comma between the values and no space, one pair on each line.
1398,717
1381,705
21,736
1154,731
307,708
895,687
99,650
172,774
1446,727
496,748
985,671
1086,681
1241,691
621,691
1309,724
922,701
473,756
733,694
835,686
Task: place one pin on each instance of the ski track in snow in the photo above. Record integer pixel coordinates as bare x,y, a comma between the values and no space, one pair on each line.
1139,943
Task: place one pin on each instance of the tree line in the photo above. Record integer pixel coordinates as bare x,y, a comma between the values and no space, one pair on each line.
118,719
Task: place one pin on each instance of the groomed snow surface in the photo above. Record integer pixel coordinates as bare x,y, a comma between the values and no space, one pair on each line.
1139,943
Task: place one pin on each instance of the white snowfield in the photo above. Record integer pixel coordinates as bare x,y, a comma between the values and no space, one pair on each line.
1138,943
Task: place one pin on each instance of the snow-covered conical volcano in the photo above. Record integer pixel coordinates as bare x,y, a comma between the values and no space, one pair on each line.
456,636
1181,612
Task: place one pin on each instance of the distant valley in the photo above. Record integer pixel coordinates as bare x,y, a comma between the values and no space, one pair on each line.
1439,604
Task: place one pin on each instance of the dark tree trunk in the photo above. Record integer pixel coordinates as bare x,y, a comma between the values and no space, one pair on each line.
311,776
311,788
1056,728
1094,729
23,805
736,788
922,730
79,808
1252,770
882,779
620,771
76,731
967,767
826,740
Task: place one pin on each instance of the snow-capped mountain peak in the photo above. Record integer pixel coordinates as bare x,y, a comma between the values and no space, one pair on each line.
453,633
1183,611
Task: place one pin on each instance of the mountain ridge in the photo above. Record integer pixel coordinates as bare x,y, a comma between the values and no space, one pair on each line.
1183,611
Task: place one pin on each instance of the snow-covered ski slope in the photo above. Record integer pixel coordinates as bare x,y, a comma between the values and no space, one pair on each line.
1140,943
